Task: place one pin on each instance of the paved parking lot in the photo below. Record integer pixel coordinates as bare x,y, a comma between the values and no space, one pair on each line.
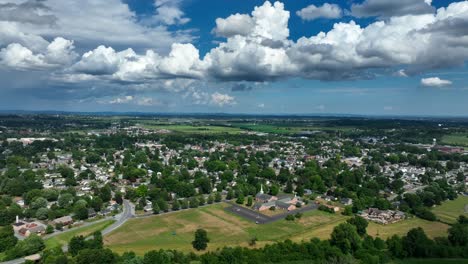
259,218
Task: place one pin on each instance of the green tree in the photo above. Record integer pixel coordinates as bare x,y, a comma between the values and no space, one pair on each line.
360,224
249,201
156,208
49,229
346,238
201,240
193,202
416,243
163,206
76,244
458,234
81,213
96,256
218,197
240,199
210,199
175,205
7,238
230,194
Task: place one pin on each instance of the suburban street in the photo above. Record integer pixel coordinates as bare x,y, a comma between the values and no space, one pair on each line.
127,213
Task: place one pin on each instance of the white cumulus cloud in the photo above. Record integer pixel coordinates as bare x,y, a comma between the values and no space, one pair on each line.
311,12
220,99
435,82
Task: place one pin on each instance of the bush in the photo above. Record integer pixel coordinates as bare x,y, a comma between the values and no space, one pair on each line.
290,218
425,213
49,229
326,209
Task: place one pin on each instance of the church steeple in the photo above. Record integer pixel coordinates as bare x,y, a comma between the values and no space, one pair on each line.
261,189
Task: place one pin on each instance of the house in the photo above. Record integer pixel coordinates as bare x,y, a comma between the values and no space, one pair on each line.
32,228
383,216
64,220
91,213
148,208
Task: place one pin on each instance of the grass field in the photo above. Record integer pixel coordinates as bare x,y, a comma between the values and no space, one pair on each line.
432,229
456,139
175,230
449,211
64,238
196,129
286,129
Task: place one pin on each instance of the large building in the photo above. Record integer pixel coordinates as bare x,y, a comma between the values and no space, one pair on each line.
265,201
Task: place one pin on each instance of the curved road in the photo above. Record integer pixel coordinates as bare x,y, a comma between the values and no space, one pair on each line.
127,213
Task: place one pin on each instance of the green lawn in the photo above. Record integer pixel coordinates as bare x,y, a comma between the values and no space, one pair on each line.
449,211
456,139
64,238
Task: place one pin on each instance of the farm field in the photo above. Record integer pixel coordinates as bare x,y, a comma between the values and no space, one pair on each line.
449,211
64,238
456,139
196,129
175,230
280,129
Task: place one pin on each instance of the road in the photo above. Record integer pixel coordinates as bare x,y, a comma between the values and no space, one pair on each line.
127,213
263,219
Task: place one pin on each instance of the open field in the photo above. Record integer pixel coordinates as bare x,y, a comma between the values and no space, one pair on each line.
286,129
432,229
449,211
196,129
175,230
64,238
456,139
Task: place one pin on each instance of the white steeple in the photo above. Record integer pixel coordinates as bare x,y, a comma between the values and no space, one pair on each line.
261,189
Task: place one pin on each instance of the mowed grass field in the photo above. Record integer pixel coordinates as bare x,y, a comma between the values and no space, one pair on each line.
176,230
64,238
456,139
432,229
449,211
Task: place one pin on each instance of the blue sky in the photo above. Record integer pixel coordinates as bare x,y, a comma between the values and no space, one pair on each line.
372,57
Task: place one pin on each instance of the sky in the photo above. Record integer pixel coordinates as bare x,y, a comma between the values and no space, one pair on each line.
365,57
